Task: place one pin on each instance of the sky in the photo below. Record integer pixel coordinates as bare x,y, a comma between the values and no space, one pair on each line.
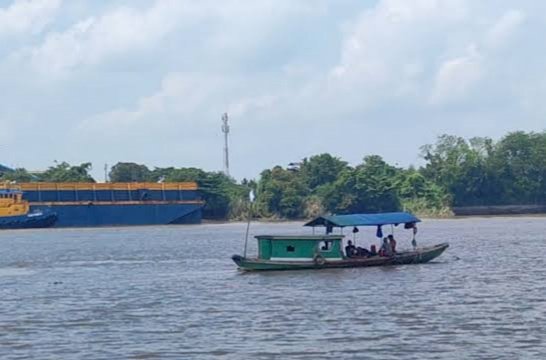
148,81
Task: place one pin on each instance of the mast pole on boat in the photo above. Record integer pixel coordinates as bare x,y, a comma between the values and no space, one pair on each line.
251,198
246,236
414,241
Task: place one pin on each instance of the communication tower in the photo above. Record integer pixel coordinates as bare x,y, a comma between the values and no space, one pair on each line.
225,130
105,173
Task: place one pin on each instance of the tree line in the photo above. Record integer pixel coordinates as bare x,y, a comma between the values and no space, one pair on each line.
224,197
456,172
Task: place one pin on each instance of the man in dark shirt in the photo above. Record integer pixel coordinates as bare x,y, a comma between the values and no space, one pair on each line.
350,249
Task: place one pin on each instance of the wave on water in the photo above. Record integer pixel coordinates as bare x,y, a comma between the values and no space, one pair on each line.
15,271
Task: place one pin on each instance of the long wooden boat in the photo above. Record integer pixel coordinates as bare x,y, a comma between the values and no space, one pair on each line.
299,252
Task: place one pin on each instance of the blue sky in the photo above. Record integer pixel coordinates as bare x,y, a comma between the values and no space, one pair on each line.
147,81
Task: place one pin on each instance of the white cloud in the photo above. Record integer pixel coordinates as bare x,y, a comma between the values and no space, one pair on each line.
504,28
296,78
176,104
123,30
456,77
427,52
242,107
389,50
94,39
24,16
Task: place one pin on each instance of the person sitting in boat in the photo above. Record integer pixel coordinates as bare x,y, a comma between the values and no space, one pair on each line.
363,252
382,248
392,243
373,250
350,249
385,249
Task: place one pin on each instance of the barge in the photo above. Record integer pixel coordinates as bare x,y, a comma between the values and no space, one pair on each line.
114,204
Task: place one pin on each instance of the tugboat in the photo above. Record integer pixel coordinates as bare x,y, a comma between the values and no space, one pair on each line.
298,252
15,212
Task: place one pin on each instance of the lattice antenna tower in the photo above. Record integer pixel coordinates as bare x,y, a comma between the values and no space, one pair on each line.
225,130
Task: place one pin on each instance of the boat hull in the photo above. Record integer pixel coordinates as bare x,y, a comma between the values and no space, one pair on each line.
419,256
93,214
30,221
116,204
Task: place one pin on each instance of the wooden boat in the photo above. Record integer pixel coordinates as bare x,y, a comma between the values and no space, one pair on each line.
298,252
15,213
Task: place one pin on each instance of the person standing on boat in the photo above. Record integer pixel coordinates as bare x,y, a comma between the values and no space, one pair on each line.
383,247
392,243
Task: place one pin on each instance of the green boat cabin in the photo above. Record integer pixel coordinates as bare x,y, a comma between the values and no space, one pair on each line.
299,248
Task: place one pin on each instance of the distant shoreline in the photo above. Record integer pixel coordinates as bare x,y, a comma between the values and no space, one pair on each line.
487,210
451,217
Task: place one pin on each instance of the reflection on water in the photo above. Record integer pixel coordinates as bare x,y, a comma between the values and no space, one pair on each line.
173,292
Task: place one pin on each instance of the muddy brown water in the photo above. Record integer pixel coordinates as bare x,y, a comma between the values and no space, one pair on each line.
173,292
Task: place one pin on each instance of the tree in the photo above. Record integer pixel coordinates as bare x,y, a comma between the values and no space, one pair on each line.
461,168
223,197
368,188
419,195
321,169
130,172
482,172
281,193
18,175
65,172
519,161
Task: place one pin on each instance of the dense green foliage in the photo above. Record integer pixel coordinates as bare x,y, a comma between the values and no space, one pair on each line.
327,184
482,172
65,172
456,172
62,172
18,175
224,198
129,172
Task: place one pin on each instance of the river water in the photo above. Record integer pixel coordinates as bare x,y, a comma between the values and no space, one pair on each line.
173,292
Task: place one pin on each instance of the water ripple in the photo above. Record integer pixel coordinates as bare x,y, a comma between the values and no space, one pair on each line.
172,292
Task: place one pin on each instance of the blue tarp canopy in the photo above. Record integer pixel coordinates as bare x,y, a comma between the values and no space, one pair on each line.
393,218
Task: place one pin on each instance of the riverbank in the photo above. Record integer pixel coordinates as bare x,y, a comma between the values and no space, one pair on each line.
499,210
422,217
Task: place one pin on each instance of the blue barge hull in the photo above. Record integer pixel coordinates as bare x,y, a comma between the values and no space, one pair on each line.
116,204
83,215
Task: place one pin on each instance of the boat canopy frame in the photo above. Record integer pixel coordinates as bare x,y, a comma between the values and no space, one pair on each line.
317,238
341,221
